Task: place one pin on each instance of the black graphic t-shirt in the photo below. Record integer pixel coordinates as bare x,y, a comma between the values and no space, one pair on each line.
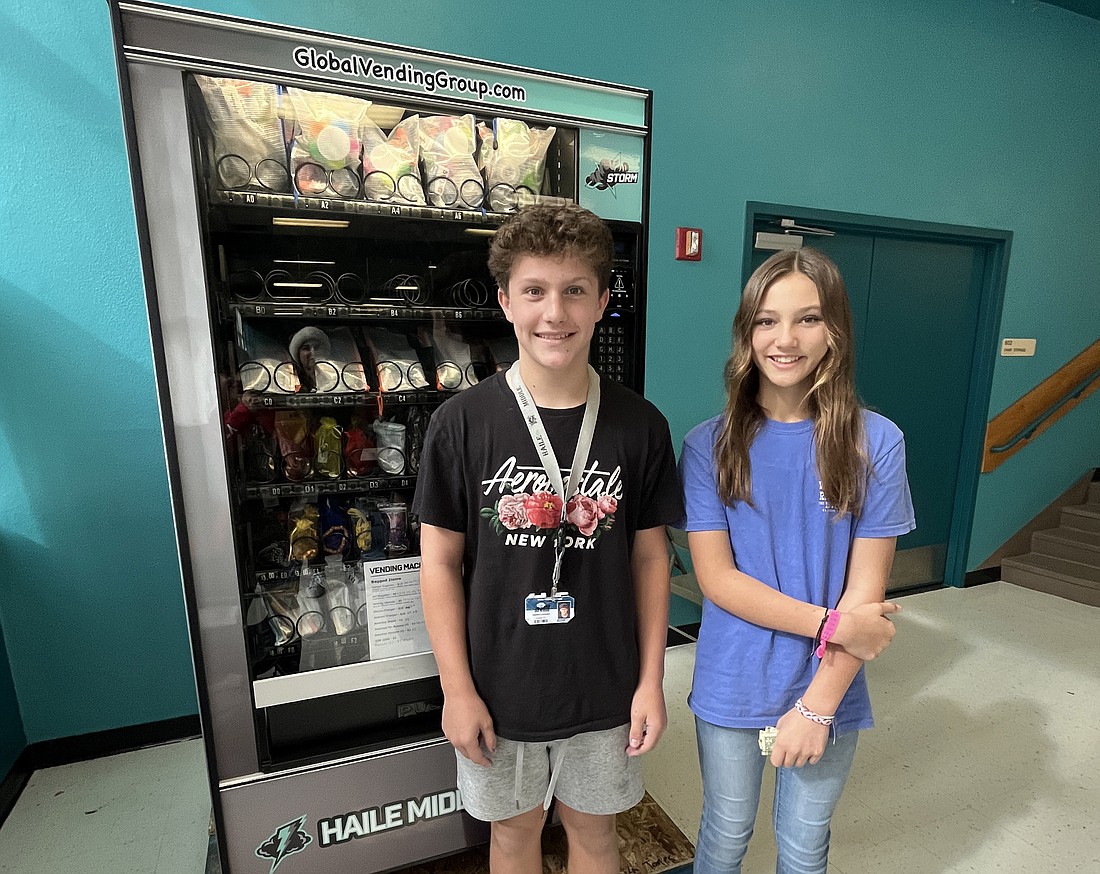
480,475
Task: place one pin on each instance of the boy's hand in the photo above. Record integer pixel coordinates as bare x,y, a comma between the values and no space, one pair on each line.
864,631
799,741
648,719
468,726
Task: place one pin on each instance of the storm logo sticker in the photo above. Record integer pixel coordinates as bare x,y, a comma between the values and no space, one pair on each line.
608,174
288,839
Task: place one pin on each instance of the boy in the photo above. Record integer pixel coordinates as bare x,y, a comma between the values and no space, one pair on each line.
541,701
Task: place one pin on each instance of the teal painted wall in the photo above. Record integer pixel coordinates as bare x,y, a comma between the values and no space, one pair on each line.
12,738
92,607
984,113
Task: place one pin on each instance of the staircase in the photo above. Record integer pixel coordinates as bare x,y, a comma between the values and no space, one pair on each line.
1064,561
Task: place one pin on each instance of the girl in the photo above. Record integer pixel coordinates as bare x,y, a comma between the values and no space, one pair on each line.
795,496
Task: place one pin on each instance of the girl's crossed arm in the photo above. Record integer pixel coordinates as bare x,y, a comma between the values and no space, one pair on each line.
862,632
800,740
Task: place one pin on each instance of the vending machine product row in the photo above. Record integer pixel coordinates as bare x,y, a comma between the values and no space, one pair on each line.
314,213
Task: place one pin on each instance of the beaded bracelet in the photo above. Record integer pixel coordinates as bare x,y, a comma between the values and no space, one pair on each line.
810,715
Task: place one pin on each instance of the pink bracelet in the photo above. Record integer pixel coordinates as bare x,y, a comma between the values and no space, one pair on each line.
827,632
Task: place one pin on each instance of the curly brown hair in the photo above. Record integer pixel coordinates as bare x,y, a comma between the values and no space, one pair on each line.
557,231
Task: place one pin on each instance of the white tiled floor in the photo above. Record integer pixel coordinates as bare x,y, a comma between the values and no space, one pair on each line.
985,759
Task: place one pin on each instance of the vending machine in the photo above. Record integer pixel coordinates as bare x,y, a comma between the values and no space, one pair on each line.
314,214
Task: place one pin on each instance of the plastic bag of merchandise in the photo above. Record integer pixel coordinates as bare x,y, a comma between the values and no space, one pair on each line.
268,535
398,364
416,425
341,613
328,448
261,453
336,527
369,529
397,527
360,454
249,144
512,157
360,519
322,360
325,154
265,362
391,164
447,145
452,358
293,435
283,613
390,437
313,611
304,534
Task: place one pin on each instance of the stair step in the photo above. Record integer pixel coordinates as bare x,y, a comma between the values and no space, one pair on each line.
1083,516
1094,493
1075,571
1019,573
1071,544
1066,579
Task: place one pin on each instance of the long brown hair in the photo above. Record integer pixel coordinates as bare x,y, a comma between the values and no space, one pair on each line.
839,438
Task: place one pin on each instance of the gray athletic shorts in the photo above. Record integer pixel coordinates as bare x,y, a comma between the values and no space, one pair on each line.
589,772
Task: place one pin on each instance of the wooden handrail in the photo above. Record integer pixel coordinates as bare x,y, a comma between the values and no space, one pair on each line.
1012,429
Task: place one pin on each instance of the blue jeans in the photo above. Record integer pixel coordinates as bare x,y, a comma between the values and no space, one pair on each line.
805,799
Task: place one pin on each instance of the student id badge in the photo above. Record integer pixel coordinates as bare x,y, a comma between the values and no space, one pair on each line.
543,609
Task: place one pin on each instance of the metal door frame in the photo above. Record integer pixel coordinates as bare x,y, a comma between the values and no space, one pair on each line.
997,245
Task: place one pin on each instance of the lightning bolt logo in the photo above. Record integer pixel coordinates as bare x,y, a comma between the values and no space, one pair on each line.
288,839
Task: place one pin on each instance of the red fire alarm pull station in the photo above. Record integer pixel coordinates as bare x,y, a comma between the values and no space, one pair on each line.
689,244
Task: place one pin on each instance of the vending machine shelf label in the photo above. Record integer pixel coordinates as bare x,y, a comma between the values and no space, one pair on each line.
369,312
330,487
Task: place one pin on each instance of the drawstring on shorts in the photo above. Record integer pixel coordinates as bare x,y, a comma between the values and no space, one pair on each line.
555,770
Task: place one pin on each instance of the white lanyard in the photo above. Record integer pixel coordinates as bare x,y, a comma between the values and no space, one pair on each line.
549,460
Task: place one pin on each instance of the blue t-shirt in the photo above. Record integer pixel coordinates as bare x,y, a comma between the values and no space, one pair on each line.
747,676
